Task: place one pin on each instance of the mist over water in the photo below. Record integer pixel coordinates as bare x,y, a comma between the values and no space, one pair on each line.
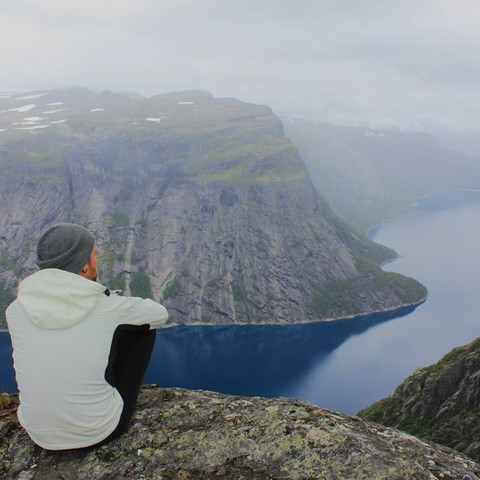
348,365
344,365
440,248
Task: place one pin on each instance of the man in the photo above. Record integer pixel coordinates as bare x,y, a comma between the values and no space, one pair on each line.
79,351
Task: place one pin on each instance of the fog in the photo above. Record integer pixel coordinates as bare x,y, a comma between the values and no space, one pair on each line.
381,63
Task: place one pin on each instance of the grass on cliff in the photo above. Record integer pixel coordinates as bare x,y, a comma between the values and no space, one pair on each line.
140,286
427,425
421,426
31,155
375,411
452,357
341,298
172,289
246,161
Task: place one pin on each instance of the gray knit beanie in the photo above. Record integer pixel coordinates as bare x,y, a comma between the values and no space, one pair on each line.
66,246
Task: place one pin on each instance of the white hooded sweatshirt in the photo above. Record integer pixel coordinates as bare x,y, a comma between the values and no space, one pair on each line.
61,326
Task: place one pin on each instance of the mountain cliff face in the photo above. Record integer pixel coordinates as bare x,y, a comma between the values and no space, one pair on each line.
369,176
201,203
439,403
181,434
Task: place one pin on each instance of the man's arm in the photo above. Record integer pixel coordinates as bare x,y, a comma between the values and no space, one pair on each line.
140,311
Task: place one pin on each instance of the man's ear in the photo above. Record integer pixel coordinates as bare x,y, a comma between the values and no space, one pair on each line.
86,268
83,272
90,267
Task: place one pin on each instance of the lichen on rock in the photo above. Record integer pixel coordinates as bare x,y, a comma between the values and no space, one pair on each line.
184,434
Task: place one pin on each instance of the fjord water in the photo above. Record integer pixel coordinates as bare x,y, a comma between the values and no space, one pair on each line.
440,248
344,365
349,364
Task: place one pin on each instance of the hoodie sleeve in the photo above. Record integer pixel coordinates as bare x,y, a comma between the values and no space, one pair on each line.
139,311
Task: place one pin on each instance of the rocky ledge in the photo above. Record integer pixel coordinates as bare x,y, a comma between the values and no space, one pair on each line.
440,403
184,434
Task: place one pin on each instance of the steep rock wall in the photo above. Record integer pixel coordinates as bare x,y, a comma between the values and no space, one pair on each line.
440,402
198,202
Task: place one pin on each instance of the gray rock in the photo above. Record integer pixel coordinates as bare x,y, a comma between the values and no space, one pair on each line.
182,434
200,203
440,402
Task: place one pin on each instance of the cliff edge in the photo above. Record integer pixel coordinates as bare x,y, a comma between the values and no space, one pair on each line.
198,202
183,434
440,403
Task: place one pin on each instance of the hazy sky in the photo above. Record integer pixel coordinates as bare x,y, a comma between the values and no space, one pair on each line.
377,62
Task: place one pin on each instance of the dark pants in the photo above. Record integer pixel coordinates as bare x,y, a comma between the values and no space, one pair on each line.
131,350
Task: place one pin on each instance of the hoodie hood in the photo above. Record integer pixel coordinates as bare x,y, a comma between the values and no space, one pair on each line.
56,299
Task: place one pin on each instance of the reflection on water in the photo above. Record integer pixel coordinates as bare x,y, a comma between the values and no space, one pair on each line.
261,360
348,364
250,360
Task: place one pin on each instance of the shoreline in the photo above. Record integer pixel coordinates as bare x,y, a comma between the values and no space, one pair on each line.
379,312
416,209
390,311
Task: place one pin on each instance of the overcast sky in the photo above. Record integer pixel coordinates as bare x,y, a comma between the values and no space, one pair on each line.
412,63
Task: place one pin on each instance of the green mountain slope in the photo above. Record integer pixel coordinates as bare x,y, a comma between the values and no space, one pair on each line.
199,202
439,403
369,176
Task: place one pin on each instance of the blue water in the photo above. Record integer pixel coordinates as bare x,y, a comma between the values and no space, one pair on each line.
349,364
7,379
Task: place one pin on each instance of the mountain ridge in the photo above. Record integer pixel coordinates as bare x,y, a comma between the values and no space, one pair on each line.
440,403
201,203
371,176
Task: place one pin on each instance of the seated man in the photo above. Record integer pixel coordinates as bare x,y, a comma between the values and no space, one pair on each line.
79,351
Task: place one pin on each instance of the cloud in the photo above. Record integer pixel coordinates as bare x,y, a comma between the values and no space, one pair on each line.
374,61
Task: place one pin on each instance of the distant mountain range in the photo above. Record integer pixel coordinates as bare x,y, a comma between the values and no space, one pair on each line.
369,176
199,202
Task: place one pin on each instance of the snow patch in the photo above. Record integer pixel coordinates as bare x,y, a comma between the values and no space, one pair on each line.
58,121
33,119
31,97
153,119
185,103
31,128
55,104
373,134
97,110
25,108
48,112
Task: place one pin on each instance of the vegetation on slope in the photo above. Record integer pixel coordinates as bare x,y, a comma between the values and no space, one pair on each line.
182,189
440,402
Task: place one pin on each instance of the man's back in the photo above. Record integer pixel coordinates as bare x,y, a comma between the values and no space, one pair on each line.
62,327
